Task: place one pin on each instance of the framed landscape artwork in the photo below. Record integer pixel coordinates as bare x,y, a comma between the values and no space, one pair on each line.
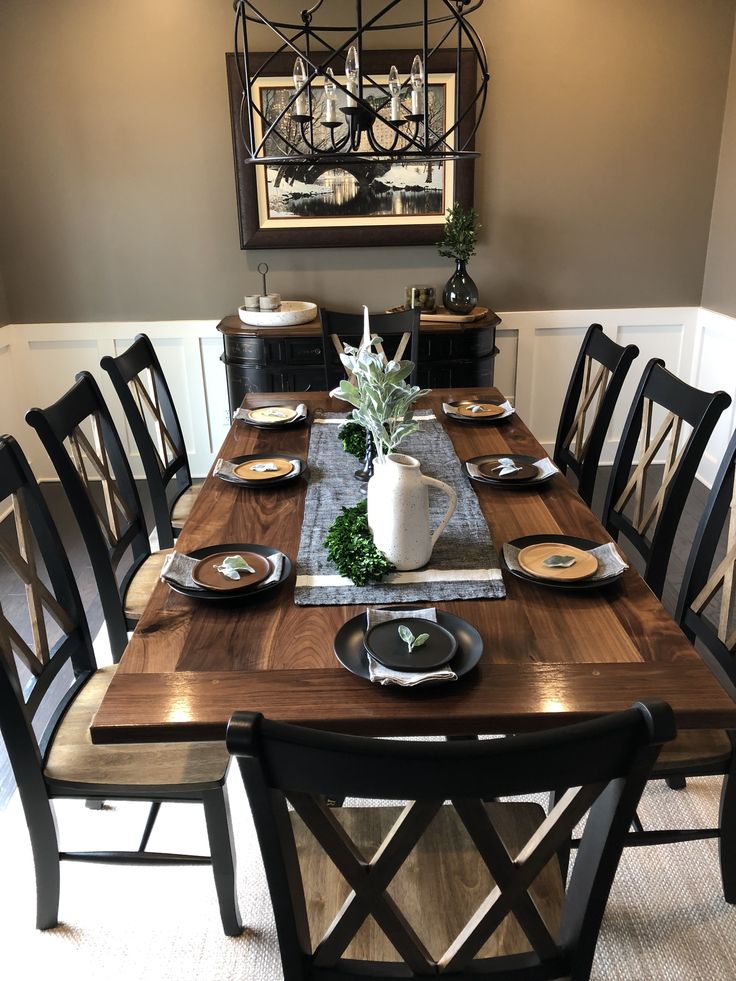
376,202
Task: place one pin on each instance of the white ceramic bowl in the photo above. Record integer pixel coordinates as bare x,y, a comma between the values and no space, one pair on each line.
292,312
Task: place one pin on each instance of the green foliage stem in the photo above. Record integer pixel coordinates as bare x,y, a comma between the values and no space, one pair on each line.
349,545
460,234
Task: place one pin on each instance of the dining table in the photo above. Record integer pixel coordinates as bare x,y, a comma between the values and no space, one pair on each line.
550,656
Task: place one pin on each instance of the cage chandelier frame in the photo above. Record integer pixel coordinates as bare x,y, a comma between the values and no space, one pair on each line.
297,131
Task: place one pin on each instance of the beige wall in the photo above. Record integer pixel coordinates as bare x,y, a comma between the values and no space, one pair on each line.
599,154
719,288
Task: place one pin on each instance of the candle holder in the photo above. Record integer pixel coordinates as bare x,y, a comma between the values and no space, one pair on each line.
366,471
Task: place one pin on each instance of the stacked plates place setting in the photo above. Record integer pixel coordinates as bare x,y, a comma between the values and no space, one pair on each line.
476,412
518,471
272,416
240,571
261,470
408,648
563,561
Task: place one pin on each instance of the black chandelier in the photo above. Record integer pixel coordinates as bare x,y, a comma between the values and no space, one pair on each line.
372,111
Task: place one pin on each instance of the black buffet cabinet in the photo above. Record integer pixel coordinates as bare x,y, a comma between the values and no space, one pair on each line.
290,359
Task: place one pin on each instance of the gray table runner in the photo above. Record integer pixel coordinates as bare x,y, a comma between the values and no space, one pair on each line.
464,563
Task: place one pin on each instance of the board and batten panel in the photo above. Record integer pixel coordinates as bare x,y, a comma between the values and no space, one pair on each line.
48,356
548,343
714,367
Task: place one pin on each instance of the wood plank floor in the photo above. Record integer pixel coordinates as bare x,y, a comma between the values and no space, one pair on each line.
13,597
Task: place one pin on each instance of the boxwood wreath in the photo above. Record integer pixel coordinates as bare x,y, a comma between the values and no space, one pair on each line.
352,437
349,545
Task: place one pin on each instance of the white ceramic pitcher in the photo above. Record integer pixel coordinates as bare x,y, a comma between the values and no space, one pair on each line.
398,511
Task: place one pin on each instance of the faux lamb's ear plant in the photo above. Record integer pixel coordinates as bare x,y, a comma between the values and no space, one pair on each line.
381,398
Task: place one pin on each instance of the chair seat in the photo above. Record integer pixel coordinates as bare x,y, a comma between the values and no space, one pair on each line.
694,747
183,505
74,758
438,888
142,584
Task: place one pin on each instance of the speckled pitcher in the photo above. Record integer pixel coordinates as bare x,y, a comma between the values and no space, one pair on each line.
398,511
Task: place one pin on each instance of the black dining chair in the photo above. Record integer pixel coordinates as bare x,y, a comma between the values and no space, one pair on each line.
649,519
339,329
144,394
46,653
707,613
425,888
79,436
595,385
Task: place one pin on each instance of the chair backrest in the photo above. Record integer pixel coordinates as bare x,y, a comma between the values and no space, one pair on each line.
49,634
706,606
97,479
339,329
595,385
149,409
649,520
606,763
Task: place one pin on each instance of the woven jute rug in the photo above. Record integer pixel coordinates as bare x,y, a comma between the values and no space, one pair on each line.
666,919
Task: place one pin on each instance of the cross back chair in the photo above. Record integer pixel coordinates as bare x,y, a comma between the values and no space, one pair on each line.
149,409
650,524
706,611
595,385
341,328
61,762
91,465
469,890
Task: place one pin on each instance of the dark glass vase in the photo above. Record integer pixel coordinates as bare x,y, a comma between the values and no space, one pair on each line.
460,294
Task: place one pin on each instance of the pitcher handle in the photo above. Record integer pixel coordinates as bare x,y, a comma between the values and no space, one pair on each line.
446,489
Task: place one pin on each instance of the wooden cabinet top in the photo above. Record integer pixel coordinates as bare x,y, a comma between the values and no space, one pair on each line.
234,325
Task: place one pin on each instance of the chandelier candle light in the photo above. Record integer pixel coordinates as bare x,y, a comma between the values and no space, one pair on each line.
336,116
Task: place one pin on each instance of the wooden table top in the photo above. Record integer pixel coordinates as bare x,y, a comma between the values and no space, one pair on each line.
550,656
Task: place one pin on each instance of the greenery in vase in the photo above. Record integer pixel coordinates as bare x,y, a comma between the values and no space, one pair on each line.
350,546
381,398
352,437
460,234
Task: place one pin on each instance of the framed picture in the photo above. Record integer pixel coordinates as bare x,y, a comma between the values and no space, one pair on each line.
374,202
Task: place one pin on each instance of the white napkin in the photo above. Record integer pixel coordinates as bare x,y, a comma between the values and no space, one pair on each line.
507,407
178,567
545,467
301,413
407,679
226,468
610,562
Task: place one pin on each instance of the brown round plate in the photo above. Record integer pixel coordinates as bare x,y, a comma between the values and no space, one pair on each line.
491,470
272,414
205,572
246,472
531,559
470,410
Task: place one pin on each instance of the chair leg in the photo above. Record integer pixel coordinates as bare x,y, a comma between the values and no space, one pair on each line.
222,850
45,847
636,821
727,841
676,783
150,821
563,852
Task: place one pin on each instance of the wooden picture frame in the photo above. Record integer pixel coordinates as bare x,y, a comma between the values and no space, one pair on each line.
347,230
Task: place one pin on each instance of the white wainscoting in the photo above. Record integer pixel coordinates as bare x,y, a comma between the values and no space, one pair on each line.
537,350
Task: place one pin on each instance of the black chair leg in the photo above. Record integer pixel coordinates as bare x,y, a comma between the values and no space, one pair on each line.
676,783
636,821
150,821
220,833
727,841
45,847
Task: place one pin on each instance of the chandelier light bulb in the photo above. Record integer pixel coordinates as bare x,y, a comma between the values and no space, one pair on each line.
417,86
300,80
394,87
352,70
330,97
